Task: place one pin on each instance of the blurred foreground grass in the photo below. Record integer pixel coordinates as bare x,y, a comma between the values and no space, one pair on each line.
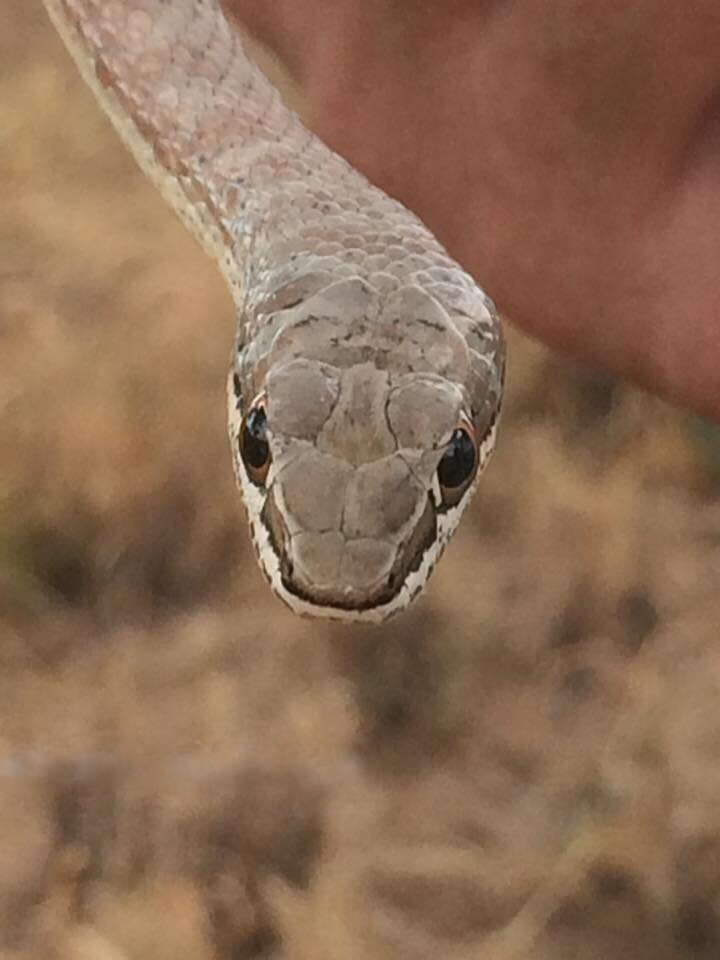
524,766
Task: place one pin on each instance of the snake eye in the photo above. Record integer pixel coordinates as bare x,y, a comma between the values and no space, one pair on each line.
457,466
254,446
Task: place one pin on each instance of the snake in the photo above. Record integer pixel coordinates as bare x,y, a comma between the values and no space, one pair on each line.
367,367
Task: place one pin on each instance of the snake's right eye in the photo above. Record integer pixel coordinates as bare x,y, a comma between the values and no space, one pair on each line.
458,465
254,446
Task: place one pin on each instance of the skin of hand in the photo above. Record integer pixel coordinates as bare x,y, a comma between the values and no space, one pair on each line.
567,153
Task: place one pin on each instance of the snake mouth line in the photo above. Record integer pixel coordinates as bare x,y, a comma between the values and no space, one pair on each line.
410,558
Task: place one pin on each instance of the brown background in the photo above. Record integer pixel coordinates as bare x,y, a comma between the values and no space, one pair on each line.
526,765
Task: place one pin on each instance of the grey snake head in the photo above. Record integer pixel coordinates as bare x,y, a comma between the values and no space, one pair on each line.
359,429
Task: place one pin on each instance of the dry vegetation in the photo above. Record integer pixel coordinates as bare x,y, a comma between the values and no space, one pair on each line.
527,765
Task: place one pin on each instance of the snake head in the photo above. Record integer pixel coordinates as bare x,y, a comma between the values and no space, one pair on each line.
359,446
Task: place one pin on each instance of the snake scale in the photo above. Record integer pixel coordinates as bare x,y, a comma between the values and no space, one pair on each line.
367,372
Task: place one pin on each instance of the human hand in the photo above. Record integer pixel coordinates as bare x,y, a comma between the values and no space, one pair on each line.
566,153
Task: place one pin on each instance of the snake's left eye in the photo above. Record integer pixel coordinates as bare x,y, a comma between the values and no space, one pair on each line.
254,446
458,465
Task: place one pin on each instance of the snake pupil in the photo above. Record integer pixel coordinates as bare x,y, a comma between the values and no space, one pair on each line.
458,462
254,446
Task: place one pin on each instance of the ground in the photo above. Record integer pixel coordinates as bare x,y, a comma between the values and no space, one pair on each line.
525,765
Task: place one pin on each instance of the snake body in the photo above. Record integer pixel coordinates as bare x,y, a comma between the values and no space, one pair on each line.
367,372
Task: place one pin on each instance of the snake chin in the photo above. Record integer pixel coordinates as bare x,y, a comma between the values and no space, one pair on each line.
428,543
373,609
342,597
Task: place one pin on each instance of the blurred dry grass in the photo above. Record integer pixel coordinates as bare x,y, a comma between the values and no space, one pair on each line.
527,765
